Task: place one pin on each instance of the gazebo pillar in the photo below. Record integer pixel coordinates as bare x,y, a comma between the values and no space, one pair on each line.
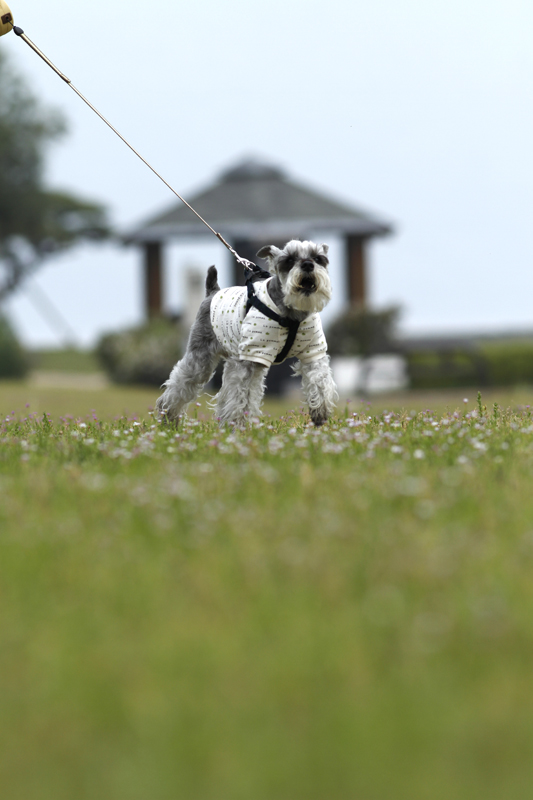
356,262
153,284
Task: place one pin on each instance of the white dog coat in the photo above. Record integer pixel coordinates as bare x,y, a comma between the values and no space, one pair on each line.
254,337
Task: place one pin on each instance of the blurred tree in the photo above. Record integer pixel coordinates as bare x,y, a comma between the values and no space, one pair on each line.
363,332
35,223
13,359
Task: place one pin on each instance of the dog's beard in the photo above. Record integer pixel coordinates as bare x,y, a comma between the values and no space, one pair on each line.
305,291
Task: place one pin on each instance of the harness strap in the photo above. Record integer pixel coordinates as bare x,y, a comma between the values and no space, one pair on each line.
285,322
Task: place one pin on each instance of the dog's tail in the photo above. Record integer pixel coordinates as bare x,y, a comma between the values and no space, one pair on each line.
211,282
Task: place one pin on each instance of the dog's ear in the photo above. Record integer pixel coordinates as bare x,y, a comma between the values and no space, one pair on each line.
325,248
269,252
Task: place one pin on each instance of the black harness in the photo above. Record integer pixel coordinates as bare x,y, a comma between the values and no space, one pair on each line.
285,322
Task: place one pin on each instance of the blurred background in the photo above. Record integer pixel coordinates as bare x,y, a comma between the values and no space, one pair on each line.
414,118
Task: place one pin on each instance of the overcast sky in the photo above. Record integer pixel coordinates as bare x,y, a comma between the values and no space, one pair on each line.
421,112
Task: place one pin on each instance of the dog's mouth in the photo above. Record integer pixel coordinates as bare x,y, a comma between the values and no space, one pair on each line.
307,285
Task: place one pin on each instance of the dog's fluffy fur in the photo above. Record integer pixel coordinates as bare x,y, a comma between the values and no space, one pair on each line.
300,287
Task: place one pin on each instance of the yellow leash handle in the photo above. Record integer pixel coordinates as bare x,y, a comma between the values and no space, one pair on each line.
6,18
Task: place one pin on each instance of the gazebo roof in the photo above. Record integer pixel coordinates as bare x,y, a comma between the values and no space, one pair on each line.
257,201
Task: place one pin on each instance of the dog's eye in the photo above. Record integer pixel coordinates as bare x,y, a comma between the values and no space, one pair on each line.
288,263
321,261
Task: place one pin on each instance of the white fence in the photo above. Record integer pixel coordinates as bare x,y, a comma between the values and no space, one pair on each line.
382,373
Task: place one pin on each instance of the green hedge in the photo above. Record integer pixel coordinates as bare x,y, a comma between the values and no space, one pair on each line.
13,358
491,364
66,359
509,364
434,369
142,355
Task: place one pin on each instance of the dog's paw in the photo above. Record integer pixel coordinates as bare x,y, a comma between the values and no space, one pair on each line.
318,416
163,412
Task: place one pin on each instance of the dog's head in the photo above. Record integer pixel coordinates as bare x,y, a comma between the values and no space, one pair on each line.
302,268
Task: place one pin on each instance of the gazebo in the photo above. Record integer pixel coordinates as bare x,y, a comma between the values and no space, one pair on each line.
252,204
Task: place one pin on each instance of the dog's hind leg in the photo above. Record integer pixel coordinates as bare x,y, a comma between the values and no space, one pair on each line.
194,370
243,387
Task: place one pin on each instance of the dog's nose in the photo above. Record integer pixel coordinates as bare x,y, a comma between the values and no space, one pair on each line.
307,266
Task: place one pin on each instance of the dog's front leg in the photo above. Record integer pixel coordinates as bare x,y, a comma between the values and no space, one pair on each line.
319,388
241,394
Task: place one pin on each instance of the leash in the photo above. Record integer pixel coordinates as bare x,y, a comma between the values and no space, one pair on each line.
7,24
252,271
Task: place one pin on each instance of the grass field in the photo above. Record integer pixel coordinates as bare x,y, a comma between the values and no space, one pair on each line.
279,613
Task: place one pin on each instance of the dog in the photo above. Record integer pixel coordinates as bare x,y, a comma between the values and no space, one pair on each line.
253,327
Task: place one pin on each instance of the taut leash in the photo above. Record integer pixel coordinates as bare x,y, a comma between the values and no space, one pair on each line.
7,24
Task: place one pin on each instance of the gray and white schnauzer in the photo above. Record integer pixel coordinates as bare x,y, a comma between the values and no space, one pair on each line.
251,327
